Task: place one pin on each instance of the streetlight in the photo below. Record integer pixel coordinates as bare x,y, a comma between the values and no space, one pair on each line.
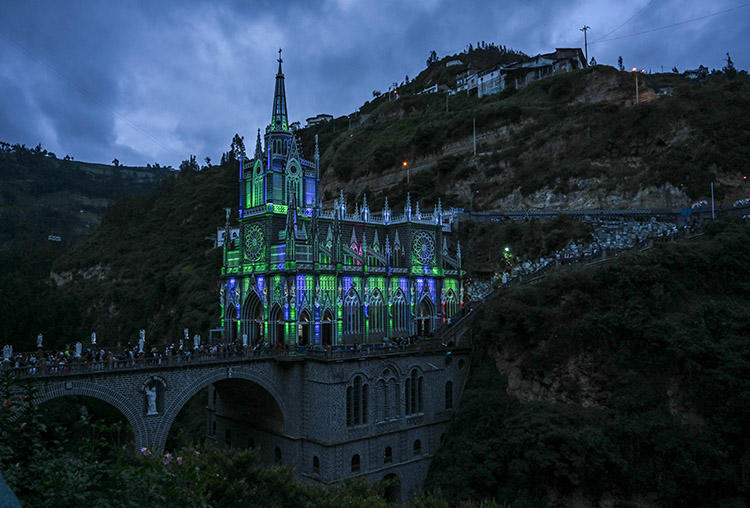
635,73
406,166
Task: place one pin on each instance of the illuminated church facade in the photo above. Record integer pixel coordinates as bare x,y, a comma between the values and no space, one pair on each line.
302,274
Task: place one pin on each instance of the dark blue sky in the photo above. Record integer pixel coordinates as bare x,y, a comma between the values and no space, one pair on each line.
156,81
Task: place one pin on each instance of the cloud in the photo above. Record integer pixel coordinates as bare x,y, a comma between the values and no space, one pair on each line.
157,81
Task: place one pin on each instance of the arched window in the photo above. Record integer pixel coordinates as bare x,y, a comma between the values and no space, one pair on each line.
381,404
377,312
413,393
400,313
417,447
355,463
394,394
326,328
277,325
451,304
352,313
425,311
357,403
316,464
231,320
388,455
252,318
449,395
303,329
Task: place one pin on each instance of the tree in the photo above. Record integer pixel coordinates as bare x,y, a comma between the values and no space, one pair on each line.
619,63
115,162
729,69
433,58
238,147
675,71
208,161
593,61
376,93
189,166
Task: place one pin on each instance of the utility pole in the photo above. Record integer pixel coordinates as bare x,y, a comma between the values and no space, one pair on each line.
637,97
584,29
475,137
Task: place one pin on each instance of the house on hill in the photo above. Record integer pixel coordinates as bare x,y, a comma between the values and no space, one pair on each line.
541,66
321,118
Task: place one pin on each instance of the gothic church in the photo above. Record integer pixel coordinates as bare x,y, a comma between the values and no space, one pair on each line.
303,275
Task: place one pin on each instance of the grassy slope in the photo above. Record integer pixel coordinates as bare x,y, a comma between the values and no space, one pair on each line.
162,270
574,125
658,340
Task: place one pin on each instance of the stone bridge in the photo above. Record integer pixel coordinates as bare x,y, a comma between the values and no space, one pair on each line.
378,412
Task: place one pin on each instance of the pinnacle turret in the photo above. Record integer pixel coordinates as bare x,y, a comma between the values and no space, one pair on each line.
279,121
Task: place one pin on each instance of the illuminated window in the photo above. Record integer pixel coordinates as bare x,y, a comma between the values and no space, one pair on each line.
351,313
377,312
400,313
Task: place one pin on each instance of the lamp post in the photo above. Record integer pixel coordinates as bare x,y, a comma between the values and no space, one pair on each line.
637,98
406,166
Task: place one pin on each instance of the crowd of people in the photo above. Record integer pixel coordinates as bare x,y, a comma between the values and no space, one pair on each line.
608,238
78,359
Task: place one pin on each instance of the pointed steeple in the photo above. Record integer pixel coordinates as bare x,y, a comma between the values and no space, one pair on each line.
386,211
279,120
407,208
258,148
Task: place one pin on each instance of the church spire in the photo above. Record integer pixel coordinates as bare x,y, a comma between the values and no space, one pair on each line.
279,116
258,148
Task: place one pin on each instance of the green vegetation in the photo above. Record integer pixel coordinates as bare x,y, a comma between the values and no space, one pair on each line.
530,239
634,383
47,468
554,132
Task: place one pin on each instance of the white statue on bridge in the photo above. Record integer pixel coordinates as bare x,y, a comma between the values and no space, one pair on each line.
93,338
186,334
39,340
151,400
141,340
7,352
78,349
244,340
196,341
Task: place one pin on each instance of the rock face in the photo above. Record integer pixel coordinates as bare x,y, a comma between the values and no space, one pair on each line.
575,382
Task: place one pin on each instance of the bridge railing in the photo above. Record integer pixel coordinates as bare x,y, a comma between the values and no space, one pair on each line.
78,367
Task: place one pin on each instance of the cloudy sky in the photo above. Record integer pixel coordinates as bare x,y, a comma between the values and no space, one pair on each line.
155,81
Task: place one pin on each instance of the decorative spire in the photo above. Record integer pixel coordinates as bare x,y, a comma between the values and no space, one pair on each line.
279,115
342,203
445,246
294,149
438,213
376,242
386,211
258,148
317,152
365,209
407,208
419,214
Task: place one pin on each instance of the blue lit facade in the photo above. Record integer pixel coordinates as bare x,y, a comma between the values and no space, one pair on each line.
302,274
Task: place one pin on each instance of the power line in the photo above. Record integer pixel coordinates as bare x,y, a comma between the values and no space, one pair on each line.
673,24
626,21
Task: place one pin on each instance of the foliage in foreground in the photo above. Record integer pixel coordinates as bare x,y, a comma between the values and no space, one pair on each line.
45,467
658,341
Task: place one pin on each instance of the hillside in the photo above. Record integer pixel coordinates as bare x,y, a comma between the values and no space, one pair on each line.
624,384
568,141
150,264
40,196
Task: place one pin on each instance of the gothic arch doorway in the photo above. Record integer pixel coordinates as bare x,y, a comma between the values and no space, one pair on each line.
425,311
252,318
231,320
277,325
303,329
326,328
392,488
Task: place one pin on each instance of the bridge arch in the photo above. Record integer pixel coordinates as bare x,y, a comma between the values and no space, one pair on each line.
129,408
174,407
